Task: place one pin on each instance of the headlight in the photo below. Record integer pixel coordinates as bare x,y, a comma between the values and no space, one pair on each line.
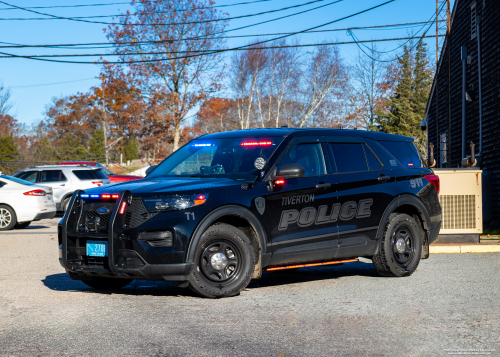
173,203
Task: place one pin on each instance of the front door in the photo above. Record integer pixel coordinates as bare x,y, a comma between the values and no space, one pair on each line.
364,190
299,223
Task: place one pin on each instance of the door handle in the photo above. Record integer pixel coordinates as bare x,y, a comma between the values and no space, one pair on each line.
384,178
63,184
323,185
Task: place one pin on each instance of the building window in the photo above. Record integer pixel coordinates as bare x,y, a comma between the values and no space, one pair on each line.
473,20
443,149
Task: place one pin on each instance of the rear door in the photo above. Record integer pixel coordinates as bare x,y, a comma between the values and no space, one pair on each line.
55,179
364,190
299,224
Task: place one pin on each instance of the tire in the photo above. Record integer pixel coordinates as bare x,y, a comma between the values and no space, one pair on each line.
224,262
8,218
22,225
65,204
107,283
400,247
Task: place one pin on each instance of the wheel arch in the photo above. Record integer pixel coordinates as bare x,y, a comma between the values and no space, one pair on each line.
236,216
410,205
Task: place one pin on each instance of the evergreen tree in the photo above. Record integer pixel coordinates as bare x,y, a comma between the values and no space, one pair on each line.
96,150
8,150
70,148
130,150
407,106
44,150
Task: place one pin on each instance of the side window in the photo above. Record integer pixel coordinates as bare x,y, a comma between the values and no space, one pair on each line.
373,162
310,156
402,152
2,184
52,176
29,176
349,157
415,157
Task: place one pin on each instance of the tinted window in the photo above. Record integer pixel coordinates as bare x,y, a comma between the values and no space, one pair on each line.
401,151
310,156
415,157
89,174
373,163
52,176
349,157
17,180
27,176
2,184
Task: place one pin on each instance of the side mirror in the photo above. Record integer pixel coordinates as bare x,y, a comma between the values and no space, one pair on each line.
150,168
291,171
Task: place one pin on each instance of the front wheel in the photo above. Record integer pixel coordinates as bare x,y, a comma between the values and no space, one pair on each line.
107,283
400,247
224,262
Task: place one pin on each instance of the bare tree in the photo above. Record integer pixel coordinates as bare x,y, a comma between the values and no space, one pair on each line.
323,72
5,99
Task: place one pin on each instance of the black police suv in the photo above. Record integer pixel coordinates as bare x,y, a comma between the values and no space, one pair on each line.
227,206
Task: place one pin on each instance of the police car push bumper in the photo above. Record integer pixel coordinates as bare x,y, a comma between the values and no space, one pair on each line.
122,263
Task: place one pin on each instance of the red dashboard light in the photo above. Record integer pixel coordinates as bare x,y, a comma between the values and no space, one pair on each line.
256,143
106,196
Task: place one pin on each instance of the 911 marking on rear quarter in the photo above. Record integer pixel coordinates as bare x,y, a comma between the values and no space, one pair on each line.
309,215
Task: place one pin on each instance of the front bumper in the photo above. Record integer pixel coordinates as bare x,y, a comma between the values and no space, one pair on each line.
121,262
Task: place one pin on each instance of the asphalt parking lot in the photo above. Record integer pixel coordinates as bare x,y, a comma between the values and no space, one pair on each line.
450,305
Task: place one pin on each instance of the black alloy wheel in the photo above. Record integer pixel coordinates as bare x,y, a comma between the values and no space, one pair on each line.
220,262
224,262
400,246
403,246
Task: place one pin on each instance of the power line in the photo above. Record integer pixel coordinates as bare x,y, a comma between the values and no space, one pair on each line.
128,3
81,19
214,52
236,49
112,44
49,84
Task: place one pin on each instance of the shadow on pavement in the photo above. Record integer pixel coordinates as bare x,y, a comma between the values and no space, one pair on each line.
62,282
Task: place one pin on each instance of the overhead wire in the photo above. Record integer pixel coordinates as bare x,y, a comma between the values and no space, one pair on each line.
213,52
82,19
113,44
128,3
49,84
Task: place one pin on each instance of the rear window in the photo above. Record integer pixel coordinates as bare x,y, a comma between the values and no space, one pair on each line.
27,176
404,152
89,174
17,180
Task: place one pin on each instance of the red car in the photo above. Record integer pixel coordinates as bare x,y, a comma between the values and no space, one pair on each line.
112,176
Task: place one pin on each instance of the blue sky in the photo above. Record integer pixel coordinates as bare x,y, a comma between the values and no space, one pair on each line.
28,79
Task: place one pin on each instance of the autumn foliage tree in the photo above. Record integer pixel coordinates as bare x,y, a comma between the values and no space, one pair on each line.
218,114
170,48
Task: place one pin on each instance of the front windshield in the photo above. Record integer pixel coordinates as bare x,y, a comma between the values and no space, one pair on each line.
229,158
17,180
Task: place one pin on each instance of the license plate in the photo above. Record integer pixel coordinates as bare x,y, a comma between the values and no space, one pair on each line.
97,249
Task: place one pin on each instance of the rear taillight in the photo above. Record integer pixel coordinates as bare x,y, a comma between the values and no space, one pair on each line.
98,183
35,193
434,179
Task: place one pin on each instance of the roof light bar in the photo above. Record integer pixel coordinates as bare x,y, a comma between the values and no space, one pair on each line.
256,143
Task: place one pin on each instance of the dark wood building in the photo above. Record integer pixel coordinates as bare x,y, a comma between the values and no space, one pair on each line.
464,105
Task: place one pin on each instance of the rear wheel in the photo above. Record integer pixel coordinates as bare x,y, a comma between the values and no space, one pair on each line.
107,283
22,225
224,262
8,218
400,247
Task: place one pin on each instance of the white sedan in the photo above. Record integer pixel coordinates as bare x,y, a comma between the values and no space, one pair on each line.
22,202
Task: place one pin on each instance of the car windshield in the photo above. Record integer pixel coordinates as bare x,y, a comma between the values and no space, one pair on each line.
225,158
17,180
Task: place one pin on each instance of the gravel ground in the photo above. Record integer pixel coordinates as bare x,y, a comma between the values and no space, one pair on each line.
450,304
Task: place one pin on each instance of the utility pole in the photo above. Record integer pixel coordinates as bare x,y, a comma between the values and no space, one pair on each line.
104,126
